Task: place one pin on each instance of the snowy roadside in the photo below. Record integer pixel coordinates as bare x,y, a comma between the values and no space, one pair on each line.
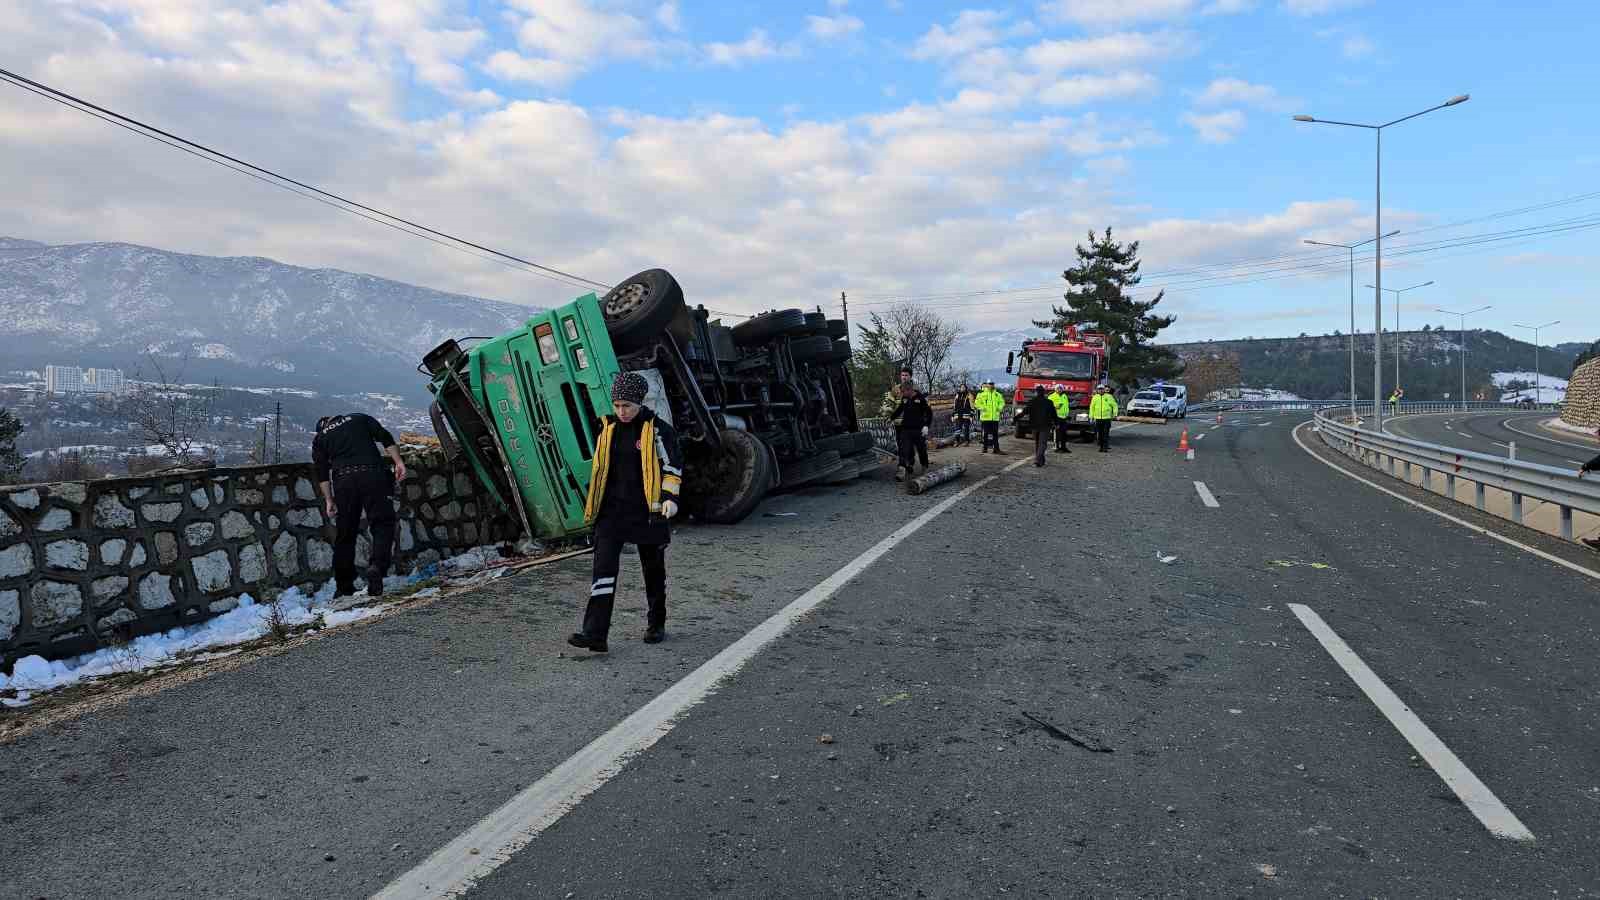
292,612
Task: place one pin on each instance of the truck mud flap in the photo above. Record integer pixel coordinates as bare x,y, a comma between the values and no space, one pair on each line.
447,438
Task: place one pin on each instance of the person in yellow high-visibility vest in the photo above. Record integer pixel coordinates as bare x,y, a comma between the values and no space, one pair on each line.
1102,409
1063,405
990,404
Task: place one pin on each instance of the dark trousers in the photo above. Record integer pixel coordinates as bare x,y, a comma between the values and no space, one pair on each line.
991,435
603,589
370,491
1061,436
912,446
1041,443
964,426
1102,433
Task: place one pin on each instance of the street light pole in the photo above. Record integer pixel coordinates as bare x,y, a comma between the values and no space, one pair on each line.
1397,292
1352,249
1377,262
1462,331
1538,392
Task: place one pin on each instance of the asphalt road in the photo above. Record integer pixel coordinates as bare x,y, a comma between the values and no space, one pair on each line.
965,682
1493,432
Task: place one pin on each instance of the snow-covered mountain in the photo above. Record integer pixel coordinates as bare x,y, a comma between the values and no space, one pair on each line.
984,352
242,320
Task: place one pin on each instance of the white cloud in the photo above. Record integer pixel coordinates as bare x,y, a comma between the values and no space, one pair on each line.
562,39
972,30
829,28
756,46
1227,7
669,17
1076,90
1237,91
1104,51
1216,128
1356,46
1318,7
1112,13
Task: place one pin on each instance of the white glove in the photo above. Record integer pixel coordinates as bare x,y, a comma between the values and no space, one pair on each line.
924,431
669,508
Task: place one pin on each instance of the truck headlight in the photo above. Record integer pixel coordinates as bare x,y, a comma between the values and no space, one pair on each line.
1083,417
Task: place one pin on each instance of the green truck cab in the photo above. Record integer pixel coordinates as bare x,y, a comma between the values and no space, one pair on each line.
766,404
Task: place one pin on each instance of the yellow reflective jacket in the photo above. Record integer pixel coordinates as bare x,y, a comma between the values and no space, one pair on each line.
989,404
1062,403
658,451
1103,406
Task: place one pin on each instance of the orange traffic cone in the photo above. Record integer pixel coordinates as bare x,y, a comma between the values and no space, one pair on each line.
1219,418
1183,442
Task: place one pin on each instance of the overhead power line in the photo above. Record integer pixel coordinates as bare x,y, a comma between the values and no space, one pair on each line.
277,179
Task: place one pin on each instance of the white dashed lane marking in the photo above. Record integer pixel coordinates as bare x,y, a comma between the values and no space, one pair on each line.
1205,495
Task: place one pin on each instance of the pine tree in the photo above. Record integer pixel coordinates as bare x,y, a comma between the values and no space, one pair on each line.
1097,299
10,459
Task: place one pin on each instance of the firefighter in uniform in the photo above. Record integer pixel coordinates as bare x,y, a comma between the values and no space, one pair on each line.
961,413
634,480
990,403
1063,405
354,479
1102,409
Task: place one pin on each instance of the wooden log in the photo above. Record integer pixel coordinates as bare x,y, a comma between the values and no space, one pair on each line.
935,477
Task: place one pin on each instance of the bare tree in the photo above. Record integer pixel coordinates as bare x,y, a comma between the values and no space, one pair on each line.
164,412
917,337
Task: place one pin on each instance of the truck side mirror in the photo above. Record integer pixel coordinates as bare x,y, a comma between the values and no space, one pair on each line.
1010,358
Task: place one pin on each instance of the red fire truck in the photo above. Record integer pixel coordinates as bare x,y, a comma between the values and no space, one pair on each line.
1079,361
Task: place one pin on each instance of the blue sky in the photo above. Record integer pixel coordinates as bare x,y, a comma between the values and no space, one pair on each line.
776,154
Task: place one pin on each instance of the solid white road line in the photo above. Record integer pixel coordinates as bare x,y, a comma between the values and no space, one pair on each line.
1443,515
1205,495
1506,424
1494,815
1199,437
453,869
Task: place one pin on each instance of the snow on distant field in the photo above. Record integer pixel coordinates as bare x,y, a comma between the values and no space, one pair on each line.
298,392
1551,389
1267,394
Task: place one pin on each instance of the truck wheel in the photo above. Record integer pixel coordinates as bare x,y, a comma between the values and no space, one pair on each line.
846,444
811,349
738,478
640,308
816,323
840,353
767,326
838,329
813,468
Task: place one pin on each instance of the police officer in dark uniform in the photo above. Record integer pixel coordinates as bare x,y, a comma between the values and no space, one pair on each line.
354,478
634,480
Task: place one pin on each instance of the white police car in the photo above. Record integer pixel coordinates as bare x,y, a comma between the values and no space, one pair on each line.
1148,403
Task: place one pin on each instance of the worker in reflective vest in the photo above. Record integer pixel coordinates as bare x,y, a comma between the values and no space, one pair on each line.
1102,409
1063,405
990,403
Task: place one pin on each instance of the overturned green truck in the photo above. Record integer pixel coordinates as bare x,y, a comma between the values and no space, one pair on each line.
763,405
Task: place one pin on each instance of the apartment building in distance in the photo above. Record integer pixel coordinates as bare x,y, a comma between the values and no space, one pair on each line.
73,380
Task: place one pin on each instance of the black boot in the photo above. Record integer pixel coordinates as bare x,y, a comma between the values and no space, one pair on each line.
374,583
344,589
654,634
581,640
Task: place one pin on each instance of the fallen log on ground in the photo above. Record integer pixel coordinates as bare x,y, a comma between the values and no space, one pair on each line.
934,477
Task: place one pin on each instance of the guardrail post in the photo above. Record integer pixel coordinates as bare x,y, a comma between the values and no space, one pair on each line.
1511,450
1480,495
1427,478
1408,471
1516,507
1566,523
1450,485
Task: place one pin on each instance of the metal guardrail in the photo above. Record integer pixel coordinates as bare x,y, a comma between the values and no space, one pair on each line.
943,426
1365,407
1559,487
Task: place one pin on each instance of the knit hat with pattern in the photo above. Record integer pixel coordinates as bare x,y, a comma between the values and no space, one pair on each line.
629,386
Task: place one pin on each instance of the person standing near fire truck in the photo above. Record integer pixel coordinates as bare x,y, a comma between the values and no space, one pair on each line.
1063,409
1102,409
990,404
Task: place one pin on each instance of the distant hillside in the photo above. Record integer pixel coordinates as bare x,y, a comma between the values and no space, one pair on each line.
244,321
1318,366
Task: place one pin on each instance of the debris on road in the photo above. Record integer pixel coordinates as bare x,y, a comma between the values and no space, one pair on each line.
825,739
1268,870
935,477
1061,734
890,701
1165,560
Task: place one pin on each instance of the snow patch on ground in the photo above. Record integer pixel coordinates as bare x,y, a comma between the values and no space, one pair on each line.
1267,394
1551,389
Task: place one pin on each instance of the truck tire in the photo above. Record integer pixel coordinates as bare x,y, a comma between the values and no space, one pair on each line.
640,308
846,444
840,353
813,468
816,323
838,329
811,349
767,326
742,476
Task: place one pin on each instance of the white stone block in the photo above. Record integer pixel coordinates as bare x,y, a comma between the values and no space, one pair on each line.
252,563
106,588
10,614
155,591
8,526
286,555
319,555
57,519
71,491
16,560
236,526
28,499
212,572
55,602
199,533
200,498
109,512
304,490
162,512
73,555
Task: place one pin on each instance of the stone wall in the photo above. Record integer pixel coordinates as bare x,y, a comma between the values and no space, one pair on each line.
1582,406
81,562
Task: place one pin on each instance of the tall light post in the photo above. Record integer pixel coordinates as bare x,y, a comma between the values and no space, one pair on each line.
1538,393
1377,262
1397,293
1352,249
1463,332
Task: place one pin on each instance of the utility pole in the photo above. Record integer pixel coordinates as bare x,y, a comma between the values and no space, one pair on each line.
1538,391
844,302
277,435
1462,336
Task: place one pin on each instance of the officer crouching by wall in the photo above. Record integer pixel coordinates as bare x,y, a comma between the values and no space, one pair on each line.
354,478
634,481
